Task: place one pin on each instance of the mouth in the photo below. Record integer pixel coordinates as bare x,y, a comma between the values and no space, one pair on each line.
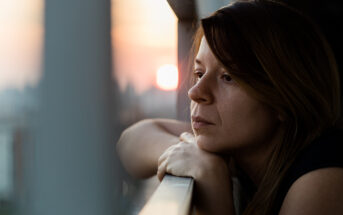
199,122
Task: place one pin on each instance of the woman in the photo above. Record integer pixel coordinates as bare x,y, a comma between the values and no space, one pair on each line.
264,107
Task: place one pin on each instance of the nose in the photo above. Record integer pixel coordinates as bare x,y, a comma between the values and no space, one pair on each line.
201,92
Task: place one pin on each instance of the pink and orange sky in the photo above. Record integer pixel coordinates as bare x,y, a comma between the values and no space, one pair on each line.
21,36
144,36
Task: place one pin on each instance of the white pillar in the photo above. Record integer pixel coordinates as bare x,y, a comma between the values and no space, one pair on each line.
71,168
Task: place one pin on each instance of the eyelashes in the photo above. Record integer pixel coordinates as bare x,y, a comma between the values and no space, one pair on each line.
227,77
198,74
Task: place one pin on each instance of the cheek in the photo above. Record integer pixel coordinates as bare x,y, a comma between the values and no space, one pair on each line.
244,122
248,123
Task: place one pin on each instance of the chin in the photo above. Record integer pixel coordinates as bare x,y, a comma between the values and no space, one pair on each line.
213,145
207,144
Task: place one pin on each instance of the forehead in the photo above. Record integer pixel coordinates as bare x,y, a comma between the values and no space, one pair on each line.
205,55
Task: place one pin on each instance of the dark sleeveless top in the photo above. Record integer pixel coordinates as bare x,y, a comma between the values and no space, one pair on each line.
325,151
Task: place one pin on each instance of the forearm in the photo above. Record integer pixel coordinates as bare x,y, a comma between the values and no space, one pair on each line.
214,192
140,145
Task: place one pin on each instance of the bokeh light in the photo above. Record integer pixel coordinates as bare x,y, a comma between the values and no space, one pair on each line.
167,77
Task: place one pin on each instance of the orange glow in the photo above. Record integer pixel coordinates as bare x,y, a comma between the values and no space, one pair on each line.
21,42
144,37
143,41
167,77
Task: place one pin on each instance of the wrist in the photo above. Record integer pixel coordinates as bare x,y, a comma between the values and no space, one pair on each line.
214,168
214,190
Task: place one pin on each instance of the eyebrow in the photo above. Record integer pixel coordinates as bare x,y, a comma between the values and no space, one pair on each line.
198,61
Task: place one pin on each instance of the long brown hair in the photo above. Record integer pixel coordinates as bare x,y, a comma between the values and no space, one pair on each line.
280,57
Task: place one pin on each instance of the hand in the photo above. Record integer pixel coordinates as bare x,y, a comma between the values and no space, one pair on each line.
187,159
213,191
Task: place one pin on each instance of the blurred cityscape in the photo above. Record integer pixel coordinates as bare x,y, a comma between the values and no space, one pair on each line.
151,103
21,58
18,109
16,106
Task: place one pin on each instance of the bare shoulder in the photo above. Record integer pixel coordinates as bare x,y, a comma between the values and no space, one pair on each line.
317,192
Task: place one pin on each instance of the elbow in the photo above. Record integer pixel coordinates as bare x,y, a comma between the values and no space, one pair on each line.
131,158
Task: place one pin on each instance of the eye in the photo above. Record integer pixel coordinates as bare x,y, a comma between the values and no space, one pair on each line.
226,77
198,74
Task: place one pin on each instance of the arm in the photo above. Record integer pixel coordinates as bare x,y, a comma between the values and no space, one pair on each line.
213,187
141,145
317,192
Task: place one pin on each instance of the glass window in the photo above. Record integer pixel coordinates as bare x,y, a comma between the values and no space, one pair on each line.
144,36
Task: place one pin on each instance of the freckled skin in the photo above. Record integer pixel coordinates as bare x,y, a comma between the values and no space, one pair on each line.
240,121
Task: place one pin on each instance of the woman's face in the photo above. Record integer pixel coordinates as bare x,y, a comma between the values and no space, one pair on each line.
224,116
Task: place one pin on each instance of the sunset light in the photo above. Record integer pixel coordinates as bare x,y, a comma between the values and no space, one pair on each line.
167,77
21,42
146,41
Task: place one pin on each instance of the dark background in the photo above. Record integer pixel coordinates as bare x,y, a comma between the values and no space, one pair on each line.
328,14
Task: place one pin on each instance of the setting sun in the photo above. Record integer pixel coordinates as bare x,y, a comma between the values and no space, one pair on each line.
167,77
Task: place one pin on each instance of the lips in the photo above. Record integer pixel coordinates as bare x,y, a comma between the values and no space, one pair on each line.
200,122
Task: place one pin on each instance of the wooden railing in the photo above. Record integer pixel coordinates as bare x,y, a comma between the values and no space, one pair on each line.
172,197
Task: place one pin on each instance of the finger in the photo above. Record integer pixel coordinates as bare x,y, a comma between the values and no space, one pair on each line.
164,155
161,159
187,137
161,171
